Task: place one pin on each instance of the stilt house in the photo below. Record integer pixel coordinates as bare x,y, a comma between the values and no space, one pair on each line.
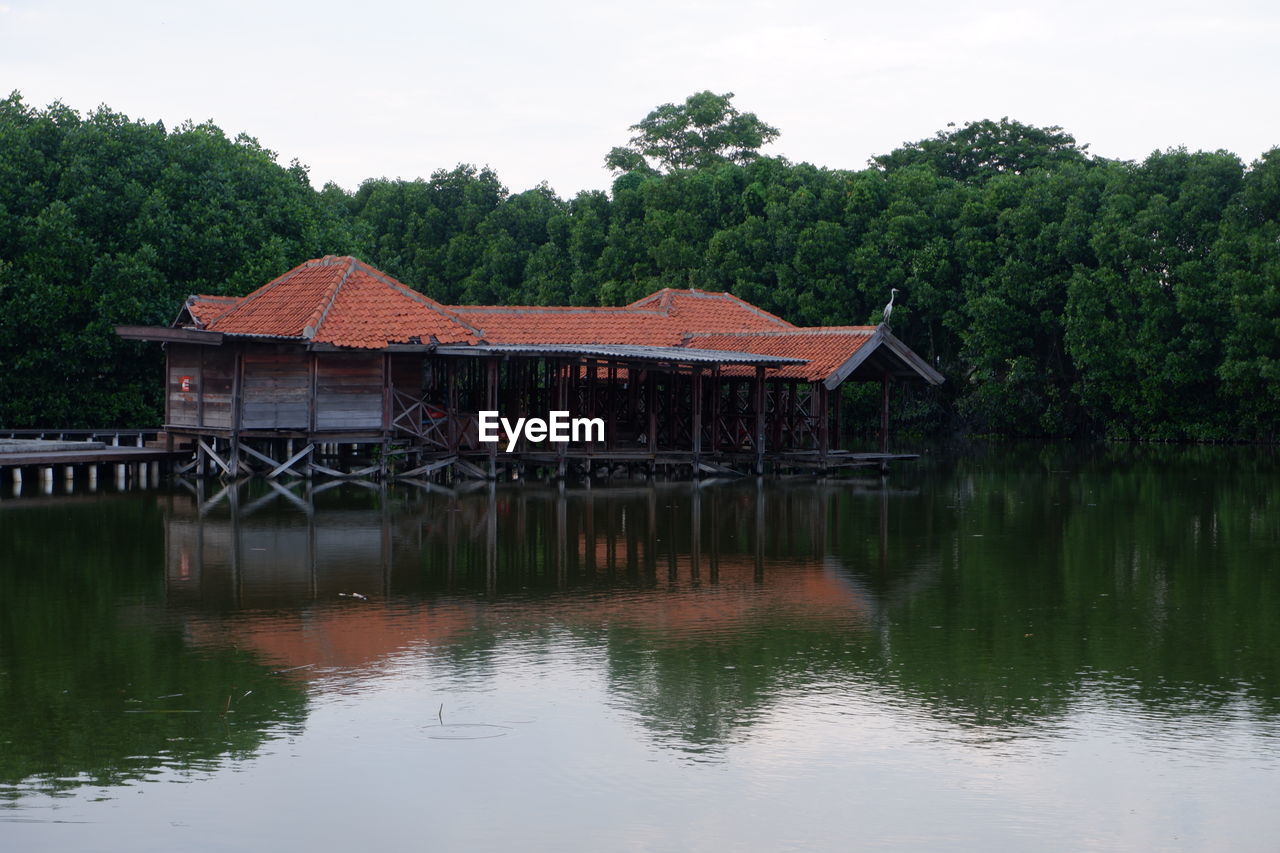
336,352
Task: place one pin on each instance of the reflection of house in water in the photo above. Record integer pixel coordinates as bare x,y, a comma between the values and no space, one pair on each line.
446,566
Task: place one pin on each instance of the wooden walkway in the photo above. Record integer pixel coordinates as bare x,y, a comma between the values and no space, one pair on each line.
97,456
42,459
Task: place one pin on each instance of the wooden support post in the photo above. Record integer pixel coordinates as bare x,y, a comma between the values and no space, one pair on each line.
491,400
824,425
884,412
237,398
562,404
760,405
793,394
697,418
451,379
715,410
591,393
611,423
650,403
209,453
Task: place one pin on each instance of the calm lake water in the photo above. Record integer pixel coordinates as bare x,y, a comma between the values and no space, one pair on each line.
1014,649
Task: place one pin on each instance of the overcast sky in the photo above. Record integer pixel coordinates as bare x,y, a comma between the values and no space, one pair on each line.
542,91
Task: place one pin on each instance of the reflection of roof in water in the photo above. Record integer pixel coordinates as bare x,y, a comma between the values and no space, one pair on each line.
270,580
346,633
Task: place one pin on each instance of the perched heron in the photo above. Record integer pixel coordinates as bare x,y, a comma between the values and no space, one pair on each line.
888,309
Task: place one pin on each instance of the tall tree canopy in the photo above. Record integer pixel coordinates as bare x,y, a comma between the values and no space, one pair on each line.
705,130
984,149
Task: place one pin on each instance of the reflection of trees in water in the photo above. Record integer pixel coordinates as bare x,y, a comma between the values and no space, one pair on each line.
86,657
995,591
1142,573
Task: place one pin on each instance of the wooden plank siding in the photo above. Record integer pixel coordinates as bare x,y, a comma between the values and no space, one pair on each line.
349,391
184,384
218,370
276,388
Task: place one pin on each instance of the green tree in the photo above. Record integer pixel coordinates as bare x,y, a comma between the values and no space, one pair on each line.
983,149
105,220
703,131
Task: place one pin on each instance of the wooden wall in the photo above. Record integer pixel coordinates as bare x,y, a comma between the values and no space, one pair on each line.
349,391
275,391
218,369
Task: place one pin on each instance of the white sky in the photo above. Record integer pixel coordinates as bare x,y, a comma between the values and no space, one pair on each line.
542,91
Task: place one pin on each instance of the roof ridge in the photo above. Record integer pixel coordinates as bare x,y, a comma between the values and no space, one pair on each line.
250,297
662,297
420,298
757,309
309,329
794,330
494,309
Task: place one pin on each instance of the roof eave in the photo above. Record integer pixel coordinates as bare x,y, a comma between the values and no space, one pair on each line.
882,337
167,334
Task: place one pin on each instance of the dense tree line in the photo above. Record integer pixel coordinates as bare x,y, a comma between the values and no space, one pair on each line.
1061,293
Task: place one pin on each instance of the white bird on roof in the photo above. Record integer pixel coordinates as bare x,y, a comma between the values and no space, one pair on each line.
888,309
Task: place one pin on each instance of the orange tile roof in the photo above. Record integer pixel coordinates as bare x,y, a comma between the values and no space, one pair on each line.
706,311
661,319
334,300
341,301
824,347
541,325
204,307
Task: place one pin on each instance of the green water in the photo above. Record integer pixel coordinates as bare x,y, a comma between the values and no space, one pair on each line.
1000,649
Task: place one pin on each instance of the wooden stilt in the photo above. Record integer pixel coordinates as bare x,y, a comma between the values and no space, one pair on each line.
491,399
697,418
824,426
884,412
759,426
